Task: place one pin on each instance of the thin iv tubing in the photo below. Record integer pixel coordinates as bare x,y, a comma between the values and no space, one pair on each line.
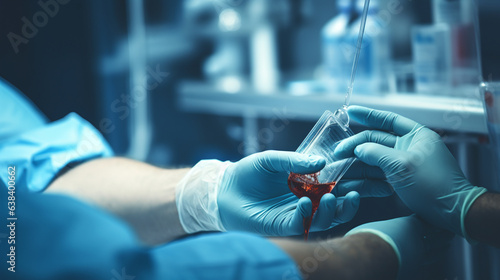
356,56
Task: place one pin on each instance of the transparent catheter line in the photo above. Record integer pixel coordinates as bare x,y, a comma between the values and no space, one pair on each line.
341,113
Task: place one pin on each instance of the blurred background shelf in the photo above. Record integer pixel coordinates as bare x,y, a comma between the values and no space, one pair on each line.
456,114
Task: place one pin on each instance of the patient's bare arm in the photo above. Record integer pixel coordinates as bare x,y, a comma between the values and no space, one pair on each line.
358,256
141,194
483,219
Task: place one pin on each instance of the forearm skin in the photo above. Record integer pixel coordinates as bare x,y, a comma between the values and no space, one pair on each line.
483,219
360,256
141,194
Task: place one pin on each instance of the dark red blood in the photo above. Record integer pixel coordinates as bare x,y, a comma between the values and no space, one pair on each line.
309,186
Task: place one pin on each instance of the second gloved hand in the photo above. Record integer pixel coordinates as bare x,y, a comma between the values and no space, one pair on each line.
254,196
416,163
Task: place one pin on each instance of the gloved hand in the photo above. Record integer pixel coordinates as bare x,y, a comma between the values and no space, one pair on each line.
254,196
368,181
414,241
416,163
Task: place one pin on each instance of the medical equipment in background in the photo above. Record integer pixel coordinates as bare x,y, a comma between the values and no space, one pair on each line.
432,49
432,58
140,130
333,37
263,48
242,29
458,15
225,68
133,64
375,51
490,91
339,40
444,56
444,53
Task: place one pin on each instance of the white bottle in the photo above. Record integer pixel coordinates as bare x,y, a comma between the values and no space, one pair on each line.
371,74
432,58
458,16
333,36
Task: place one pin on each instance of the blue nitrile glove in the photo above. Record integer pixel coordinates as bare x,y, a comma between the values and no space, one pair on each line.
254,196
414,241
368,181
416,163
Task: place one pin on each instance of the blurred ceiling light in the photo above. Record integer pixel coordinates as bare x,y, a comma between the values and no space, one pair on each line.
229,20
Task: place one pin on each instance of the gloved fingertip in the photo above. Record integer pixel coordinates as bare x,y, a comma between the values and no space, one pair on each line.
330,201
358,150
350,206
362,151
358,113
304,206
354,108
317,161
304,164
347,209
315,158
354,198
342,150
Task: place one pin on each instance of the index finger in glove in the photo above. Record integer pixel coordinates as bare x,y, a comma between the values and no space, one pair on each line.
279,161
345,149
383,120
